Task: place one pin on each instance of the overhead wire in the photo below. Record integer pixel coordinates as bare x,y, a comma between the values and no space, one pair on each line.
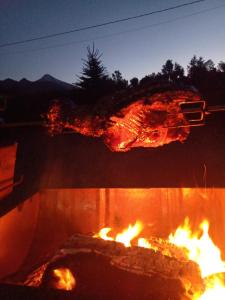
112,34
99,25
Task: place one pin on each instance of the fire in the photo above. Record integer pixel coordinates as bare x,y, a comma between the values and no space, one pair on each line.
129,234
201,249
125,237
215,289
65,279
198,247
103,234
142,242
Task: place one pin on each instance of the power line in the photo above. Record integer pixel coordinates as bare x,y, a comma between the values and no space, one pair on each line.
114,34
99,25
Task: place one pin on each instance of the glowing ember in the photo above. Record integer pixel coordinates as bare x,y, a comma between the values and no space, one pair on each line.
65,279
151,119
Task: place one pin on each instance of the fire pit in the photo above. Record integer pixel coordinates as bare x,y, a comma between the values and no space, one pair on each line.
84,198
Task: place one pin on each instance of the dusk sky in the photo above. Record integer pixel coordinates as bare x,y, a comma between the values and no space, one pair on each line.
136,47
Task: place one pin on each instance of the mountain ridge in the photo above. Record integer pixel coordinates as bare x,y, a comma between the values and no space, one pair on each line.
47,83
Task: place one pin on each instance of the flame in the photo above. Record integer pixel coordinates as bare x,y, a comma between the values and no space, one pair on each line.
129,234
103,234
125,237
198,247
201,249
142,242
215,289
66,280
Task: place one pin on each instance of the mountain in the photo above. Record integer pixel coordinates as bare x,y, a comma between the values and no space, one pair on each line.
29,100
45,85
51,79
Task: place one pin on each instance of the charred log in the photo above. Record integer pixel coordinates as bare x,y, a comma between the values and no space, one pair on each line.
18,292
108,270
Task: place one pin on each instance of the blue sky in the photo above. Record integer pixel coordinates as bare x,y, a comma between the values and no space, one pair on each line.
136,47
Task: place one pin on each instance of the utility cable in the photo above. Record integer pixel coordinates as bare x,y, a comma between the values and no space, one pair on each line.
61,45
100,25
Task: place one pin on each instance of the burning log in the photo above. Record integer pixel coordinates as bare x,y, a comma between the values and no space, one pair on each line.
108,270
149,117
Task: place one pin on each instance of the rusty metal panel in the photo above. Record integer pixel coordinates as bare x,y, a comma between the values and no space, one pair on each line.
7,166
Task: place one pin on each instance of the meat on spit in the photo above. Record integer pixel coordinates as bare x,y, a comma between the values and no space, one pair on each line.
147,117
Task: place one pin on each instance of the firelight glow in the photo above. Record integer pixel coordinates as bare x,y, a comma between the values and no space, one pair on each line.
142,242
103,234
129,234
198,247
125,237
65,279
201,249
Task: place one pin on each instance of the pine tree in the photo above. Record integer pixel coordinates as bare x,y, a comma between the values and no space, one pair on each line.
93,72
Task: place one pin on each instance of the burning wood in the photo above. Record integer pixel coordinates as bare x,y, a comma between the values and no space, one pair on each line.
146,118
201,249
125,265
148,269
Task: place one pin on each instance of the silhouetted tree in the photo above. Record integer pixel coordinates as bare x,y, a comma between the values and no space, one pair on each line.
221,66
167,69
134,82
171,71
94,81
117,76
207,79
119,81
93,70
198,66
178,72
210,66
152,79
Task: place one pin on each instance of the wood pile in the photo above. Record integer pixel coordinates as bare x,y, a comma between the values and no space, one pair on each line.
108,270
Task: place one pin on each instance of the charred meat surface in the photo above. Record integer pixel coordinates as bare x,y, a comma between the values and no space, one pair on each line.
142,118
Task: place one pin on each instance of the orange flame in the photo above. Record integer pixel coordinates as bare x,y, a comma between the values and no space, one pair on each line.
103,234
125,237
65,279
215,289
202,250
129,234
142,242
199,247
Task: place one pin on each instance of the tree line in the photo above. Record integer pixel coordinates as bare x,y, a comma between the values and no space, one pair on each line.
95,82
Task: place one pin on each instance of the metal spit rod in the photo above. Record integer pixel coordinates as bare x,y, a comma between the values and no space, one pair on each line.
195,113
188,108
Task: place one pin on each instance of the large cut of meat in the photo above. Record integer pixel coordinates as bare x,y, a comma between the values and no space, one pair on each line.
142,119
